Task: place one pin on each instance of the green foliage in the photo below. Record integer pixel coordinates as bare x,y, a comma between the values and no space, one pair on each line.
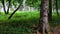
34,3
22,22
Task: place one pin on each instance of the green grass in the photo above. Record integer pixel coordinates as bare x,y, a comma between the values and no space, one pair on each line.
21,22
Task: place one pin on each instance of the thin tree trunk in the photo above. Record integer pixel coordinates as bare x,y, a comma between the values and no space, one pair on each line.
50,10
14,12
43,25
52,5
57,8
8,6
3,6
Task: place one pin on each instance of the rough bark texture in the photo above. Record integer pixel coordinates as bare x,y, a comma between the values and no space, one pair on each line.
43,25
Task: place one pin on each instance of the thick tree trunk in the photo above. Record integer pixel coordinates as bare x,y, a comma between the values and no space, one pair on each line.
43,25
50,10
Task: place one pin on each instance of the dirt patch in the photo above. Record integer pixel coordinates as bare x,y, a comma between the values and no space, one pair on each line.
54,30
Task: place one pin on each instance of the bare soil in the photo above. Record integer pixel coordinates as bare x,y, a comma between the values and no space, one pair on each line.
54,30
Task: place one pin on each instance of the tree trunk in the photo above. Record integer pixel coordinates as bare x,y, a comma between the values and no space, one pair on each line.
57,7
43,25
50,10
3,6
8,6
14,12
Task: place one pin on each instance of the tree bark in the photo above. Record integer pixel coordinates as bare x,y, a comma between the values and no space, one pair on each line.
43,25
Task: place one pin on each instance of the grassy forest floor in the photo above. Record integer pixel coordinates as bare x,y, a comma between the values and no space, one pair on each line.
25,23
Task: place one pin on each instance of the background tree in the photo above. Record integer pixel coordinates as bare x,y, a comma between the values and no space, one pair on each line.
15,10
57,7
3,3
50,10
9,4
4,7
